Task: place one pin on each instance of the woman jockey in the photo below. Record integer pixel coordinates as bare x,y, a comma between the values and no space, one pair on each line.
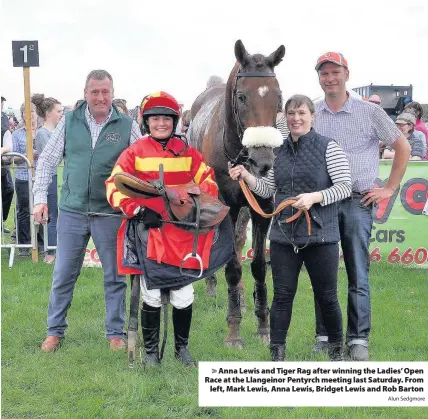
167,243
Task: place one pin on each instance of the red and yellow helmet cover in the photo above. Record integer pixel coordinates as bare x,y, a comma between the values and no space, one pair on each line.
160,100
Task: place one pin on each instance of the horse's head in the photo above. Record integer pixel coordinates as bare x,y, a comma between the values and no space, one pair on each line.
254,94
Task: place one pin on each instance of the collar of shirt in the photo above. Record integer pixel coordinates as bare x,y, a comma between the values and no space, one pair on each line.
347,106
91,119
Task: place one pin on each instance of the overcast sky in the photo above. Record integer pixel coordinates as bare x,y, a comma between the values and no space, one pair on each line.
177,45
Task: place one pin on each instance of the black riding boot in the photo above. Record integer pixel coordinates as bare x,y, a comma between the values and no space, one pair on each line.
277,352
335,351
150,324
181,319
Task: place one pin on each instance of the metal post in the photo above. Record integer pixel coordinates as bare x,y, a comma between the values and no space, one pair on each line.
30,155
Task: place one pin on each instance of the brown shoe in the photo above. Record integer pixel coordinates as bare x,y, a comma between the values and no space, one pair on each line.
51,343
117,344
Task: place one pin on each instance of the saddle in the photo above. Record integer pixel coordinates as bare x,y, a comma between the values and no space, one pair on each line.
182,201
188,207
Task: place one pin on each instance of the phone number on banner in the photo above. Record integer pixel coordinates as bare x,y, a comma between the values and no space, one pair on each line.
406,257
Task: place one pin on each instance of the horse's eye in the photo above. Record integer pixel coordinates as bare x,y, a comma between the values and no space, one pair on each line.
242,98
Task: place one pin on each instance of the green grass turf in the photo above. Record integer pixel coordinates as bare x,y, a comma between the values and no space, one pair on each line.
84,379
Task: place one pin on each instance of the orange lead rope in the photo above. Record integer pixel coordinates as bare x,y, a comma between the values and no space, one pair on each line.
284,204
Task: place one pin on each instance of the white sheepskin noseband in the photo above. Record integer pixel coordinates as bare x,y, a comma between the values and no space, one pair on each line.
262,137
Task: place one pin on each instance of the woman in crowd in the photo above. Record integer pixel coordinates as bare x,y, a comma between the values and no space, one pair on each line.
420,126
50,110
19,141
314,169
121,106
406,124
185,122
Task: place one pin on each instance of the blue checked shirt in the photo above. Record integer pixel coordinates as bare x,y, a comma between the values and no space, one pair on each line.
357,128
54,152
19,141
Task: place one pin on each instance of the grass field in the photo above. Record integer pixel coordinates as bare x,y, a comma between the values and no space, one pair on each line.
86,380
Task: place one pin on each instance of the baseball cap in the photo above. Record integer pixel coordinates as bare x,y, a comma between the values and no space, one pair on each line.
331,57
406,118
3,99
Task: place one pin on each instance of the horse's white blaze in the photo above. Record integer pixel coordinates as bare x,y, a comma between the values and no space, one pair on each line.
262,137
263,90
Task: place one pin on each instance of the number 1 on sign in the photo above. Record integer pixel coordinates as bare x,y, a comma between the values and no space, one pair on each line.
24,49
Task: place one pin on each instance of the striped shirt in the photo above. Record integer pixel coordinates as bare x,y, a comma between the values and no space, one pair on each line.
357,127
19,141
282,126
54,152
338,170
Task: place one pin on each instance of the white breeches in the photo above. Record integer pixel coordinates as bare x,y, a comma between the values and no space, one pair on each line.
180,298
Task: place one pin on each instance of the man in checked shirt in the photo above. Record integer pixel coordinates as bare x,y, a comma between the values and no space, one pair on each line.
356,126
89,139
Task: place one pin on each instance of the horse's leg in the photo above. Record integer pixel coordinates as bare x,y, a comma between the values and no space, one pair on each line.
133,318
211,285
260,227
240,238
233,273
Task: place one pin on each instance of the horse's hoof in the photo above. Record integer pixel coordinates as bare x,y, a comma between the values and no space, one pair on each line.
234,343
265,338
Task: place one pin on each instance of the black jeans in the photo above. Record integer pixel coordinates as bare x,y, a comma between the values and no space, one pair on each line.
321,262
23,214
52,213
6,191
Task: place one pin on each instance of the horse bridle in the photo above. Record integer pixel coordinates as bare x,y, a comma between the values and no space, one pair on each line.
241,158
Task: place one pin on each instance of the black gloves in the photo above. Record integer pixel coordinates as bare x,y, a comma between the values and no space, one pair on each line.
150,218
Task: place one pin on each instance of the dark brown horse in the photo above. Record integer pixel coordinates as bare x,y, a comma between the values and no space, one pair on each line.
234,122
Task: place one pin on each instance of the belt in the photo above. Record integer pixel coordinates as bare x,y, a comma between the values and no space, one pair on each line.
354,195
357,196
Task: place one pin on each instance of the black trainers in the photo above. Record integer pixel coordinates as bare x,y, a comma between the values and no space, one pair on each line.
335,352
358,352
24,252
277,352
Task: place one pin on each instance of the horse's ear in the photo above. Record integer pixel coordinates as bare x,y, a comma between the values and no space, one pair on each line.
276,57
241,53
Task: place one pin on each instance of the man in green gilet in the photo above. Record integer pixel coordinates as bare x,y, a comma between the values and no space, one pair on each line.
89,139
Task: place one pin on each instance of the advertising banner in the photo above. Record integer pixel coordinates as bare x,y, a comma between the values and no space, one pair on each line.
400,229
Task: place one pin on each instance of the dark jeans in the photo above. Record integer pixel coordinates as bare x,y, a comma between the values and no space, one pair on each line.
321,262
52,213
7,191
355,223
74,231
23,214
